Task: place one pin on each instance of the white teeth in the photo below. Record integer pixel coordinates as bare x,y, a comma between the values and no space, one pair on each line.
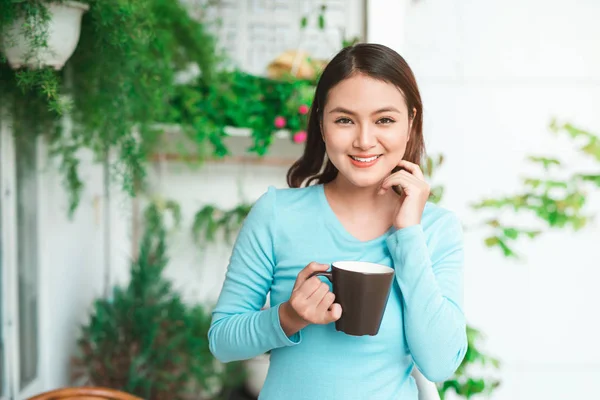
364,159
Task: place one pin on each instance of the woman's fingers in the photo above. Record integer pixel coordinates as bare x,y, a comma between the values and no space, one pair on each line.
402,178
326,301
317,296
333,314
309,286
307,271
413,168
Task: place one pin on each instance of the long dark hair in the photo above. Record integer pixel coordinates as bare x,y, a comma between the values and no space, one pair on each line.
378,62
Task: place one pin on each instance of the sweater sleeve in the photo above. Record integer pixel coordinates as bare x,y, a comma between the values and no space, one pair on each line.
432,292
240,329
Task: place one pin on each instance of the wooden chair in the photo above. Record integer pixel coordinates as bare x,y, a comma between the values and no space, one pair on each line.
85,393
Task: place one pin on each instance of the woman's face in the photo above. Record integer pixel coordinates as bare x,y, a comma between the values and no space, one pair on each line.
366,129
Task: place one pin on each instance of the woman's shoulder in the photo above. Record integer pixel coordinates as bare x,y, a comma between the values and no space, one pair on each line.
285,207
291,198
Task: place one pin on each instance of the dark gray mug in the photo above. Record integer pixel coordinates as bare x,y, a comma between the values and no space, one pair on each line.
362,289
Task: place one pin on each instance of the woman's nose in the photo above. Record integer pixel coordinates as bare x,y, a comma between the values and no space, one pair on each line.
365,138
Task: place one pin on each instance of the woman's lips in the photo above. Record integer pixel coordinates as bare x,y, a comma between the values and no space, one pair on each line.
364,161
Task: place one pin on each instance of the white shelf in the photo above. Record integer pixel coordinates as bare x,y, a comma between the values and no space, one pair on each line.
229,130
282,151
245,132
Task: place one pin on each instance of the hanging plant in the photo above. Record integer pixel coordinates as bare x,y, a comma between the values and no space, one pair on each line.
115,85
25,29
55,26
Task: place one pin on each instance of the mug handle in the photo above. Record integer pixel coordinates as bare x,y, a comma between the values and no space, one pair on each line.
326,274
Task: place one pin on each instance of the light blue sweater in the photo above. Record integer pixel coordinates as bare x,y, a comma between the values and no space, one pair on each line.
423,324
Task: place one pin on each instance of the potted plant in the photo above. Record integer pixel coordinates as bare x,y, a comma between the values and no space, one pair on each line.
57,24
146,340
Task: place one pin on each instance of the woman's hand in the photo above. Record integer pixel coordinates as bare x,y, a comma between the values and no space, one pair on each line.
415,194
311,302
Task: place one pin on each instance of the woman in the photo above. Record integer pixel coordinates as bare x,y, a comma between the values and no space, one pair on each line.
365,120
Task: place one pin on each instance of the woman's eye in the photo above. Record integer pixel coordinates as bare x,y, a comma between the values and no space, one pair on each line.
343,121
385,121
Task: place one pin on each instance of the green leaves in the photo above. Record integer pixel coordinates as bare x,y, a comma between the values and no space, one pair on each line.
431,165
321,22
546,162
470,387
553,199
121,76
240,100
591,146
42,82
320,11
595,179
209,220
146,340
463,383
503,236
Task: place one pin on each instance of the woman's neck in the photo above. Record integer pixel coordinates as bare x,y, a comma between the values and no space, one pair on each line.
351,198
361,211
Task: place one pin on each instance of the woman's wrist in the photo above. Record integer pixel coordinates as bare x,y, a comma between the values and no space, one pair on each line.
291,322
403,225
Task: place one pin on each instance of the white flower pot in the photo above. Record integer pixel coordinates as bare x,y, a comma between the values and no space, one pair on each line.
63,34
256,369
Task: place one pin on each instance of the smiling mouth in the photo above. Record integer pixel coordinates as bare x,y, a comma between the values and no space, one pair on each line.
365,159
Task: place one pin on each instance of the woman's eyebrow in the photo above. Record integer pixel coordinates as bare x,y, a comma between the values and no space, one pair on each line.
349,112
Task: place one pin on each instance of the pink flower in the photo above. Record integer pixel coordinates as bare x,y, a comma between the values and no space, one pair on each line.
303,109
280,122
300,137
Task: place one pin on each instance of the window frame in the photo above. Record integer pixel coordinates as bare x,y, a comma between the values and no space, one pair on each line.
10,262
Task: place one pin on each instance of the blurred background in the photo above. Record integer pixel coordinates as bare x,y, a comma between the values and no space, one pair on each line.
135,136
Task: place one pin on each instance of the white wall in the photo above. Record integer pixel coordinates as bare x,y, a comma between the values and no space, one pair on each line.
72,263
199,270
492,75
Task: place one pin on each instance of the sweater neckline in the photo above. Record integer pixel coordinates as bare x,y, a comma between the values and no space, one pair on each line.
332,219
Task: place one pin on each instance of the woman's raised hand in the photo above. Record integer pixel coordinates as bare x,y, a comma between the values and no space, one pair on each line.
415,194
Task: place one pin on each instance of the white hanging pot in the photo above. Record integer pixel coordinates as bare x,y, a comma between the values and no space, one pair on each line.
64,28
256,370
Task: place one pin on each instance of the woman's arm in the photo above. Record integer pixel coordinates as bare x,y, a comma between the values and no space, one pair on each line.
432,292
239,330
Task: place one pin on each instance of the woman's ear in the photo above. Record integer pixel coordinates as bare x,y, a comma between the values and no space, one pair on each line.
410,123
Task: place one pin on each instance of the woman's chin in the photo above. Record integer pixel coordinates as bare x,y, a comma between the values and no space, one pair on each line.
365,183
